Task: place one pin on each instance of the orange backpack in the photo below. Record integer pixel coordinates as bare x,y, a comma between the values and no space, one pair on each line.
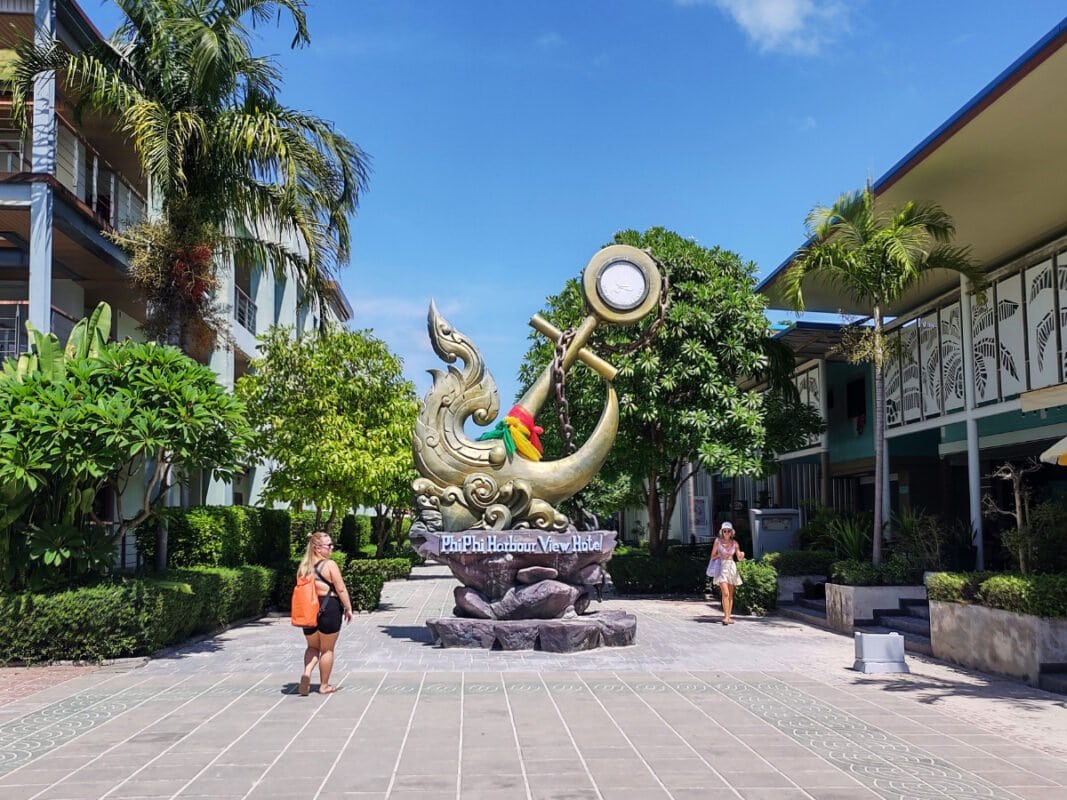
305,605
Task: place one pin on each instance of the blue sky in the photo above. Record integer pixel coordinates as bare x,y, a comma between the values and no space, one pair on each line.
510,139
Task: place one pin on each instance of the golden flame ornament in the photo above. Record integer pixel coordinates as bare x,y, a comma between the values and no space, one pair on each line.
499,481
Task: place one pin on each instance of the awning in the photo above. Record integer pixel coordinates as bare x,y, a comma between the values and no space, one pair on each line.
1057,454
1043,398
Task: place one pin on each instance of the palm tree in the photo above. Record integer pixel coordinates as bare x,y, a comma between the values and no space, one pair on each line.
875,257
233,172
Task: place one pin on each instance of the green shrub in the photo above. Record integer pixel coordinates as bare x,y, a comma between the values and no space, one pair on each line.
271,541
302,525
801,562
389,569
227,594
894,571
1040,595
955,587
920,539
638,572
819,519
758,593
365,590
355,532
128,617
219,536
849,537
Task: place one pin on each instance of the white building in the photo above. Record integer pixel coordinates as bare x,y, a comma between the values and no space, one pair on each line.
62,187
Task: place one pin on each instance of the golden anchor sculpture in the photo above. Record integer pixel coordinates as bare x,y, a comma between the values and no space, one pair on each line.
498,482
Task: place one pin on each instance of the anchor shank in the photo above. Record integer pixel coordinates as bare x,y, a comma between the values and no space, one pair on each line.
585,355
538,393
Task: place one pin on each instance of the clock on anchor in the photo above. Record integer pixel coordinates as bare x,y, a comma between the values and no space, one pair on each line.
621,284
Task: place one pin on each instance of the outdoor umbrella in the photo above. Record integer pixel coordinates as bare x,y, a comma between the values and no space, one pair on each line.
1057,454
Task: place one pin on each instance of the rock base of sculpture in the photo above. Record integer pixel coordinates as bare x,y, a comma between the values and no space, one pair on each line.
521,574
588,632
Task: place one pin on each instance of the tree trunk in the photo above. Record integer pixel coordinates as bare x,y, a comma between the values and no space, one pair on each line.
879,438
380,524
657,540
1020,523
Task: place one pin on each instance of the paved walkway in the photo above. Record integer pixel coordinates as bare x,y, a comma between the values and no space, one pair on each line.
766,708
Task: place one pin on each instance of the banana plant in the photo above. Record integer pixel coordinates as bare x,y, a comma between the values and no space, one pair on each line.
47,356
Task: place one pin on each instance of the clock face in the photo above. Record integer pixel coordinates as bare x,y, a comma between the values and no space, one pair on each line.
622,285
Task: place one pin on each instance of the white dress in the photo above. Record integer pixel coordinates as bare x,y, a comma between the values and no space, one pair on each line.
729,573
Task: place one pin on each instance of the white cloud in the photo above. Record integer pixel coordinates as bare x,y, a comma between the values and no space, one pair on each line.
798,27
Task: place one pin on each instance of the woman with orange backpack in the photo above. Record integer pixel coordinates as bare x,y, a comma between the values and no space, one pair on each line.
318,572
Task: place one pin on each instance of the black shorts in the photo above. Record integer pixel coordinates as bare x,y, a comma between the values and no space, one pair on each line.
329,616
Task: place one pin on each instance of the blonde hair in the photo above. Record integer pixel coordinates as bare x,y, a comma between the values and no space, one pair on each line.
311,558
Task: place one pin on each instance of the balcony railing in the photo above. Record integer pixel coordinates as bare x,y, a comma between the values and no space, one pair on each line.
94,181
13,316
80,169
244,311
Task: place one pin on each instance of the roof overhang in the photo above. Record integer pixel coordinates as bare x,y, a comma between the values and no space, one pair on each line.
995,166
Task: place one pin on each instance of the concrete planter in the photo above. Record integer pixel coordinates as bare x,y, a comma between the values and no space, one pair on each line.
791,585
997,641
847,606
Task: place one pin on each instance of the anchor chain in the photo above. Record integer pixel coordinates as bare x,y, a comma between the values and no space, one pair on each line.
559,381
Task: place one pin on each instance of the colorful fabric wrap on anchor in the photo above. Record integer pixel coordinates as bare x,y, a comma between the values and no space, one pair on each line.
519,434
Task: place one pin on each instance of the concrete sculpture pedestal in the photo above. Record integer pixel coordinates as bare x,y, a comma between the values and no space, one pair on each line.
526,590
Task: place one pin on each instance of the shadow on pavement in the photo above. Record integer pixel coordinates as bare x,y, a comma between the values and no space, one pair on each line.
413,633
930,691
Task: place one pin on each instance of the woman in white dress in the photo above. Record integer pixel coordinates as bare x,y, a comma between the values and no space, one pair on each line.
725,550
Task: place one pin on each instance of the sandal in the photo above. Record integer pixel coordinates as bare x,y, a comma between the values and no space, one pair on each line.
305,686
328,689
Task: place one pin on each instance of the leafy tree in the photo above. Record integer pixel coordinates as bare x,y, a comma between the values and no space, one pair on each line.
234,172
875,256
681,406
334,415
128,416
392,499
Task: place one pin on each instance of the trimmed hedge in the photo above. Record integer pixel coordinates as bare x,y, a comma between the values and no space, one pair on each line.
390,569
355,532
1039,595
220,536
758,593
895,571
365,590
128,617
801,562
679,572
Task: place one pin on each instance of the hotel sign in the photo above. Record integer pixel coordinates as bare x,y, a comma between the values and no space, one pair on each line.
464,542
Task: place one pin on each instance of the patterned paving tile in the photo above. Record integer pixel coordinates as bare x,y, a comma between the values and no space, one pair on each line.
887,764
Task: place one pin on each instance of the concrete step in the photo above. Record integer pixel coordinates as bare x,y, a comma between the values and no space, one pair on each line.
812,604
803,614
913,642
905,624
916,608
1053,682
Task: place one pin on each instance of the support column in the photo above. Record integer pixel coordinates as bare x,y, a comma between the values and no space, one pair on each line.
43,161
824,439
974,475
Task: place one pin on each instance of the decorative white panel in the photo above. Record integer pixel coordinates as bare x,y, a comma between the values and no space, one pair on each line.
1061,273
1009,353
1041,325
911,384
952,357
930,364
892,382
